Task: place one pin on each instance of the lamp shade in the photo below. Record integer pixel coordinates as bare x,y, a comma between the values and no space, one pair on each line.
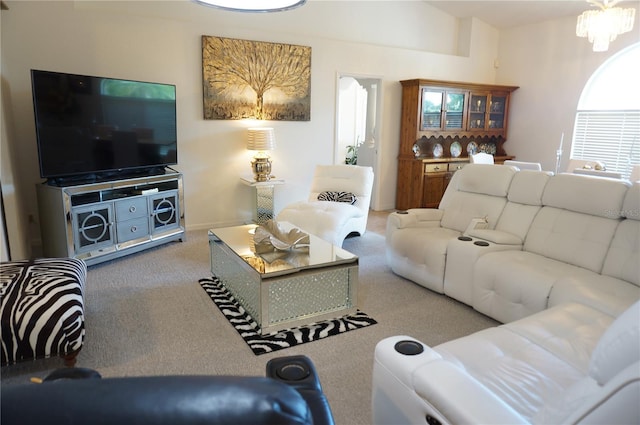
261,139
253,5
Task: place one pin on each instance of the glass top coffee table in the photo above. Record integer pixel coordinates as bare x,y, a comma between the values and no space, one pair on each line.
285,289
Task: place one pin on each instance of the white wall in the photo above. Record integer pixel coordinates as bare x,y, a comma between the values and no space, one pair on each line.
16,239
552,66
161,41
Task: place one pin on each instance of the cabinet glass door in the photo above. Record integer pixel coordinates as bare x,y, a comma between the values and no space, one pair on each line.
496,111
92,227
431,109
165,212
477,111
454,110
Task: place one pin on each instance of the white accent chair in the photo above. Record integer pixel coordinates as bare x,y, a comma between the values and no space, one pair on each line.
481,158
330,220
521,165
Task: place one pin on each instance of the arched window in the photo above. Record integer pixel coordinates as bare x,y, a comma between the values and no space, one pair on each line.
607,125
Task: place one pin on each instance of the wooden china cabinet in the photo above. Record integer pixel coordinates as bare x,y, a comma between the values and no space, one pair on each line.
443,122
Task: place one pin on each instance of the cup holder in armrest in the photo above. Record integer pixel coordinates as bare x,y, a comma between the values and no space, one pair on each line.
293,372
296,370
464,238
409,348
481,243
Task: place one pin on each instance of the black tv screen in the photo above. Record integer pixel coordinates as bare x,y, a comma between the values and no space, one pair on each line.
96,127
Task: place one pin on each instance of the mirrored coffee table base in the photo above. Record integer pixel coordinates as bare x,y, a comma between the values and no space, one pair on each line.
285,289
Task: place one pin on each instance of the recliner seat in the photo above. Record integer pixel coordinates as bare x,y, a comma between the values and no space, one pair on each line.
416,242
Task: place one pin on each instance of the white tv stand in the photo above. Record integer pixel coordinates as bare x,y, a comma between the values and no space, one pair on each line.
101,221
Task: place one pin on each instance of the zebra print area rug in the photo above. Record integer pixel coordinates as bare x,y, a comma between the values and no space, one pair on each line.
261,344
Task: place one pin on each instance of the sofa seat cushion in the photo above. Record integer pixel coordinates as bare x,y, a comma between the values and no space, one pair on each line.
608,294
510,285
419,254
320,218
529,361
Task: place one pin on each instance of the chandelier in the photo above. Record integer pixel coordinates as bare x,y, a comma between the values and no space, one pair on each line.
253,5
603,26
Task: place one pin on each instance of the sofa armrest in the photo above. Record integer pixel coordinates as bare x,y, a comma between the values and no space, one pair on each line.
409,387
417,217
496,236
459,398
151,400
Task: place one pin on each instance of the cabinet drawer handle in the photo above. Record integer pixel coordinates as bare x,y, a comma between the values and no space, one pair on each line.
132,209
436,168
134,229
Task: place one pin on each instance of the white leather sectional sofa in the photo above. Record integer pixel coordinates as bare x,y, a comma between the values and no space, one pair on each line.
558,261
548,239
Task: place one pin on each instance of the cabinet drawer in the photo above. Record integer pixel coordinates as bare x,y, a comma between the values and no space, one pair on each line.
132,229
456,166
129,208
435,168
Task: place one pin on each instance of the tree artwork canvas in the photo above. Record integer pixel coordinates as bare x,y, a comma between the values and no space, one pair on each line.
253,79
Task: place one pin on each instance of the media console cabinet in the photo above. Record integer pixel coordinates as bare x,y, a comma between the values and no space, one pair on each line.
98,222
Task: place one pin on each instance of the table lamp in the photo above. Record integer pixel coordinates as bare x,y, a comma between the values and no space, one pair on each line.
261,140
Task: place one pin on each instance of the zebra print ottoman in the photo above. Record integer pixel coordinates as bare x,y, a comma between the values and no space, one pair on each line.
42,309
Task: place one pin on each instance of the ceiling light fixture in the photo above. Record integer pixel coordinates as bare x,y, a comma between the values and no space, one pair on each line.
604,25
253,5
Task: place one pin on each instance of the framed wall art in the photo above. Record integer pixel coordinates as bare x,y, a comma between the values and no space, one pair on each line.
254,79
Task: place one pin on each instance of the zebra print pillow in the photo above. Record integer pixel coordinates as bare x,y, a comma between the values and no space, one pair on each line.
42,309
338,197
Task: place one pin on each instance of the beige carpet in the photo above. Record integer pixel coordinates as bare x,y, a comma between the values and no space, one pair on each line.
146,314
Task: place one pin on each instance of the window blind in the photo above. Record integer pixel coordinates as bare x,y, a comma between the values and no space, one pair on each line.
612,137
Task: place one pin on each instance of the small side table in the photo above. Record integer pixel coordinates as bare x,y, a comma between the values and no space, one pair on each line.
264,197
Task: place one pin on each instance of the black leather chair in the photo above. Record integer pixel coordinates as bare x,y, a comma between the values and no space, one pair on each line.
289,394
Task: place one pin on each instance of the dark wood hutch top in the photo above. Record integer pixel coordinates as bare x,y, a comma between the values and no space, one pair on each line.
443,122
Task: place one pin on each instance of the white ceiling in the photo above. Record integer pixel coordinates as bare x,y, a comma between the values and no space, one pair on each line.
512,13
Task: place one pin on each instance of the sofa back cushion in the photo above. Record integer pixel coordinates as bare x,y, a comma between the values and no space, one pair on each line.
528,186
525,200
618,347
476,191
623,254
586,194
485,179
578,219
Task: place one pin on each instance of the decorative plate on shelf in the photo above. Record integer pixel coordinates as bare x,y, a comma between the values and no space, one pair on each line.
437,150
416,150
472,148
455,149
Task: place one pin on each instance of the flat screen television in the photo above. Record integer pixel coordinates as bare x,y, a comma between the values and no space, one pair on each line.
96,128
